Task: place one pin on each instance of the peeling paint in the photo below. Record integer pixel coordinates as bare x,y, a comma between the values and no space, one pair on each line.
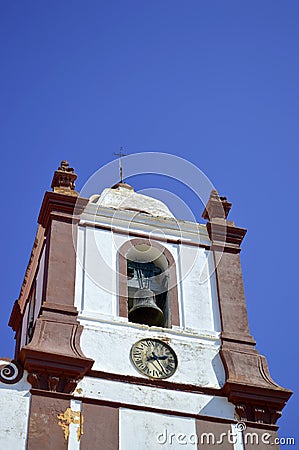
68,417
164,339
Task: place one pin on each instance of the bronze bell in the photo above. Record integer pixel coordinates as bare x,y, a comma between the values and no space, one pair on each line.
145,309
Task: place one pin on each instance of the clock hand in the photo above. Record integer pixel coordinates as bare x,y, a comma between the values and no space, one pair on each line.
163,370
153,363
151,358
154,359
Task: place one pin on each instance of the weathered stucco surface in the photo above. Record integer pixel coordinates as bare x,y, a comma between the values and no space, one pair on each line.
14,414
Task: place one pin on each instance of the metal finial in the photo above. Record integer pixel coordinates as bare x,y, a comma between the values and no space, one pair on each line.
120,155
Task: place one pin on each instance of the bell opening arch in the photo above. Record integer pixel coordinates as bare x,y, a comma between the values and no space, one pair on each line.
147,256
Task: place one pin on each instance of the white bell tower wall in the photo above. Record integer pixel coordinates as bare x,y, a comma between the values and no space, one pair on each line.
107,337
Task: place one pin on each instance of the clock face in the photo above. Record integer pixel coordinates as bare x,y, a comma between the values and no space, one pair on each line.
154,358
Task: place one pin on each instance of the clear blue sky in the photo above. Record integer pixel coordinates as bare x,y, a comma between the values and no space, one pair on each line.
215,82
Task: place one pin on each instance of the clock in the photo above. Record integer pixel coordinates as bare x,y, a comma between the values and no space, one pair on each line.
154,358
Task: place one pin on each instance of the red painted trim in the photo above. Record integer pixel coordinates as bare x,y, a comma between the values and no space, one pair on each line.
101,427
43,429
148,408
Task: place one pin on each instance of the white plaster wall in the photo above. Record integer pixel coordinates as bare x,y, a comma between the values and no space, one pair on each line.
24,326
237,437
109,344
96,270
200,302
149,396
108,338
140,430
14,414
80,262
95,273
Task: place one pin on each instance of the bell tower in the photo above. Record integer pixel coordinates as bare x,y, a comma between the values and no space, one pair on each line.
132,331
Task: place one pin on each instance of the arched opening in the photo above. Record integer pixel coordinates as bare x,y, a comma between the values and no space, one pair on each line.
147,276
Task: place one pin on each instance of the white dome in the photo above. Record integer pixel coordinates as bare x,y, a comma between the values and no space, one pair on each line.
122,196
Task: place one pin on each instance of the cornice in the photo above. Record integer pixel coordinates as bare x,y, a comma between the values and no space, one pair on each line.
54,359
15,317
249,386
129,223
61,206
255,403
225,236
30,273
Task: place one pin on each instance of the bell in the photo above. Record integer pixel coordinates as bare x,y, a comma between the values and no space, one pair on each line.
145,309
